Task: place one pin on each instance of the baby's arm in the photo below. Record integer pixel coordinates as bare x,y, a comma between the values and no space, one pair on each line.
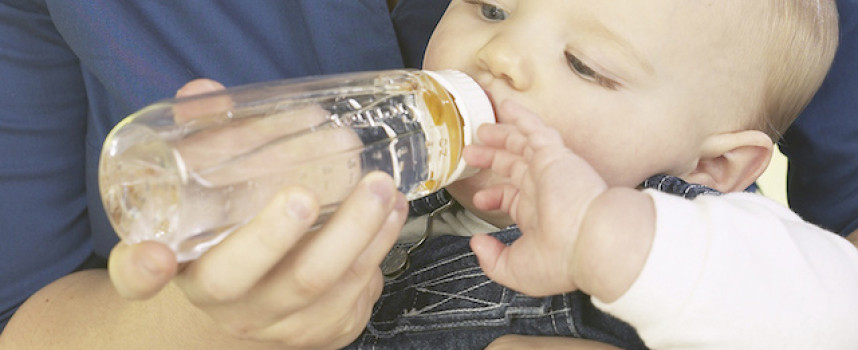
577,232
748,272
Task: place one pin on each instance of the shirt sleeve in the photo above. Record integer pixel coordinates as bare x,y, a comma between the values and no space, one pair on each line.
43,107
739,271
70,70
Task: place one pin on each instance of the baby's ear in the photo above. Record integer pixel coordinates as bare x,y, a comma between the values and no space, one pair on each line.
732,161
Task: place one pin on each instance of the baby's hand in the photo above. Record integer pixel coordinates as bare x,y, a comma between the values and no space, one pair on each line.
548,195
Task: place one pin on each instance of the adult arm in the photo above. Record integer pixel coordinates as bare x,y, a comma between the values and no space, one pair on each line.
119,57
83,311
269,285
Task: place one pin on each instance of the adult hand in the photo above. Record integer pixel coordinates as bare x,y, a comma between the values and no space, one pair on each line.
272,280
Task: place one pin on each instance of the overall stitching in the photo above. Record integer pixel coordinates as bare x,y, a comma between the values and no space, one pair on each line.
445,301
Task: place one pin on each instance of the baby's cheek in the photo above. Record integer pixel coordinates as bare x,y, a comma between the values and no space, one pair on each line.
440,54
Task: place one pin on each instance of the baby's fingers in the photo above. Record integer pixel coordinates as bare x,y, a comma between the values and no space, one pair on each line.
494,258
479,156
502,136
534,132
510,165
521,266
488,250
513,113
500,197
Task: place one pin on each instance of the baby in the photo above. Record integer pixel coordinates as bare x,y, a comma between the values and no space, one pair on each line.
603,107
596,97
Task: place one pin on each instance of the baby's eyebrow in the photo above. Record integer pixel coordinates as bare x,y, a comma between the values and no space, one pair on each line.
599,30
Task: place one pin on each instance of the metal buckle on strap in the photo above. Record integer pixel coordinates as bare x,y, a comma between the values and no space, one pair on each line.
398,259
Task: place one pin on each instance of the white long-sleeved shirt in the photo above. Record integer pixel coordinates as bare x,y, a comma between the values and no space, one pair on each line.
739,271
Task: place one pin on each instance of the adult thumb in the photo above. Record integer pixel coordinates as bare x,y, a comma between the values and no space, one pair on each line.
141,270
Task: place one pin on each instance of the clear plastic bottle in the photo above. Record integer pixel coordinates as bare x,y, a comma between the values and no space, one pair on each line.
188,171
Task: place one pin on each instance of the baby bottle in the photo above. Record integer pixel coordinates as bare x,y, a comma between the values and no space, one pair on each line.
188,171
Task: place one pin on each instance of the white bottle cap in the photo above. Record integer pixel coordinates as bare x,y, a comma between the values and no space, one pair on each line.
474,106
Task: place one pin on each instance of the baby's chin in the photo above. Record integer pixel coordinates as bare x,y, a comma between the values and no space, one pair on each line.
463,191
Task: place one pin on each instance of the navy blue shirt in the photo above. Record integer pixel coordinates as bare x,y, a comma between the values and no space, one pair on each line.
70,70
822,145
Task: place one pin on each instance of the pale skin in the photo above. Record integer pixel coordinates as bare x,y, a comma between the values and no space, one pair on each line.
232,297
618,222
629,115
235,297
626,98
597,76
570,228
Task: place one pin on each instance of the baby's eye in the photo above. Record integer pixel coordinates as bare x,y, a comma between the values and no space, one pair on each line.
488,11
585,72
492,13
581,68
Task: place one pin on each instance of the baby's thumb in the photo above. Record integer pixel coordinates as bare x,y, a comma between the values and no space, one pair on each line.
141,270
507,267
489,252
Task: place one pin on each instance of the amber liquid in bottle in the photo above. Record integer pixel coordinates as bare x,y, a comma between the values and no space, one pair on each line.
189,180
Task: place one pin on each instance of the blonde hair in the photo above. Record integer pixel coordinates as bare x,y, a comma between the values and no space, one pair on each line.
803,37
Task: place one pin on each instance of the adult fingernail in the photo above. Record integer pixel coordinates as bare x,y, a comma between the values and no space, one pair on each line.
149,263
298,206
382,190
401,203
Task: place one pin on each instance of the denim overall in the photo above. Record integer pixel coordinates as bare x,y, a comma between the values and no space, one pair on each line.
445,301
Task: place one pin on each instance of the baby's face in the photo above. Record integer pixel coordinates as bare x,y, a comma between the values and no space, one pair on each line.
633,86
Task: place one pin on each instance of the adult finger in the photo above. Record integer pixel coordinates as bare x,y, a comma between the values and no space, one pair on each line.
329,253
338,316
230,269
141,270
199,86
308,279
186,109
377,250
